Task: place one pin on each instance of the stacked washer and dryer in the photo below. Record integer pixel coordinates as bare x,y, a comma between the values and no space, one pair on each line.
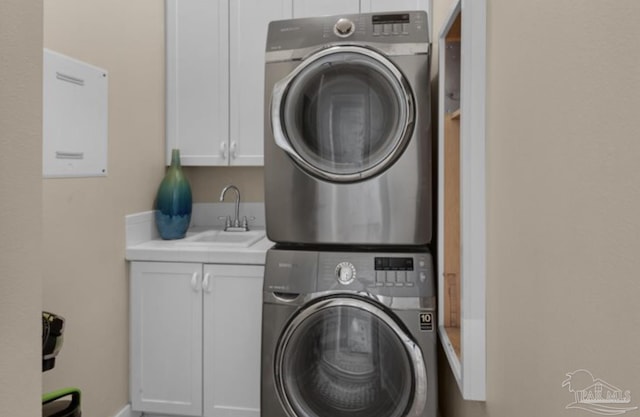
349,294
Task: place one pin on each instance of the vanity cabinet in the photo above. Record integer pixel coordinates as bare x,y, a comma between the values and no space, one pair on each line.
215,72
461,195
195,339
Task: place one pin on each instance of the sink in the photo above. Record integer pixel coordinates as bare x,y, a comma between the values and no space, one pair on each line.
222,238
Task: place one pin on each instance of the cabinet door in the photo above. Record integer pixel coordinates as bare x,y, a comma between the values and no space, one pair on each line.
248,21
197,81
166,338
312,8
232,327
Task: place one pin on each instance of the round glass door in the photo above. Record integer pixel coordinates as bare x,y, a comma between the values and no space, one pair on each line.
345,114
346,357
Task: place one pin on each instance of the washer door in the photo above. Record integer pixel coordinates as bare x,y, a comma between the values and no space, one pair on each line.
347,357
345,114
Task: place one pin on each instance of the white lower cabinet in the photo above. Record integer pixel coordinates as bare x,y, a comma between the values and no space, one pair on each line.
195,339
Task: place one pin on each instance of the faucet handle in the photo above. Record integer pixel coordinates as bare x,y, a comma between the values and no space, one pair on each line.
227,221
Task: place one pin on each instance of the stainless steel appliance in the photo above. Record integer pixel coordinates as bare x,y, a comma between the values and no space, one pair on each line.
348,142
348,334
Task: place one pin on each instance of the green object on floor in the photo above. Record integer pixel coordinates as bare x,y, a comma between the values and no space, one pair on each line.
56,403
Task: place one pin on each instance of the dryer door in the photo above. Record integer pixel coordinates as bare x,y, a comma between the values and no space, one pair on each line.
344,357
345,114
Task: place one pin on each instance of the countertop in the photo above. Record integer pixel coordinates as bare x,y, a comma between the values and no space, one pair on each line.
144,244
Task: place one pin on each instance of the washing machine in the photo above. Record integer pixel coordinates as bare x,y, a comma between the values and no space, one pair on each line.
348,334
348,144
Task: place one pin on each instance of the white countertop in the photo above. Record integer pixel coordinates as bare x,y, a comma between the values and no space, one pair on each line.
144,244
178,251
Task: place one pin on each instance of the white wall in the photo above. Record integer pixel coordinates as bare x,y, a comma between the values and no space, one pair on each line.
20,207
563,204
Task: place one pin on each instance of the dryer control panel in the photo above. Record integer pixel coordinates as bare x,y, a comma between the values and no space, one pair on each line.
380,29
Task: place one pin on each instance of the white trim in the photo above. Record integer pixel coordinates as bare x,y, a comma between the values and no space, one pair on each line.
470,372
127,412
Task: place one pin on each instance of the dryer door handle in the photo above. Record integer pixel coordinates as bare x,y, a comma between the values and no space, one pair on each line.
279,136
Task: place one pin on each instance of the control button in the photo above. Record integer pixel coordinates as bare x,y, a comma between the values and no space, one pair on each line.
405,28
401,276
379,284
343,27
397,27
389,284
409,284
391,276
380,276
399,284
421,263
377,31
345,272
386,31
423,276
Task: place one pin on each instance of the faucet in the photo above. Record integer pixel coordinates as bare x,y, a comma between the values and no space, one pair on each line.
234,226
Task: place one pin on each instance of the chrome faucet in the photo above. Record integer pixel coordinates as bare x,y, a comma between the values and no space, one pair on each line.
234,226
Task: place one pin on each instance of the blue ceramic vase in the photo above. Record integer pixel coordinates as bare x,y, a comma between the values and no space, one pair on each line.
173,201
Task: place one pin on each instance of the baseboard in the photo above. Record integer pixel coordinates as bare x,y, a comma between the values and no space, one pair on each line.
127,412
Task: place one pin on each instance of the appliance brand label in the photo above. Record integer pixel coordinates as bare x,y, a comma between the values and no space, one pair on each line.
426,322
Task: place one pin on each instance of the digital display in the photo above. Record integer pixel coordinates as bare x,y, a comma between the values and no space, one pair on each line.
390,18
393,264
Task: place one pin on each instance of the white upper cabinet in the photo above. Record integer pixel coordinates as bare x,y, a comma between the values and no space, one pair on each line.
311,8
197,111
248,22
215,78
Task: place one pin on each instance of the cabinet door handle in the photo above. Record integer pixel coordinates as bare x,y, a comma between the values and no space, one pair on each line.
194,282
206,283
223,149
234,148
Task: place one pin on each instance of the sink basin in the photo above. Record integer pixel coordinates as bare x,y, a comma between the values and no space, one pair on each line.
222,238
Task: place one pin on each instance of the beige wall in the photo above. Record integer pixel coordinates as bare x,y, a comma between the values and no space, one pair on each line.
85,277
208,182
20,207
563,199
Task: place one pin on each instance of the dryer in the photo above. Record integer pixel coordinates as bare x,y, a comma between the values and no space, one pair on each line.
348,334
348,144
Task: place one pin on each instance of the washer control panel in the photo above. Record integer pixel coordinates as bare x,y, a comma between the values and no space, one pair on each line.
389,273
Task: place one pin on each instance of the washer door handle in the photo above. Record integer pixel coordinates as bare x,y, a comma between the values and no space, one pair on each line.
287,297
